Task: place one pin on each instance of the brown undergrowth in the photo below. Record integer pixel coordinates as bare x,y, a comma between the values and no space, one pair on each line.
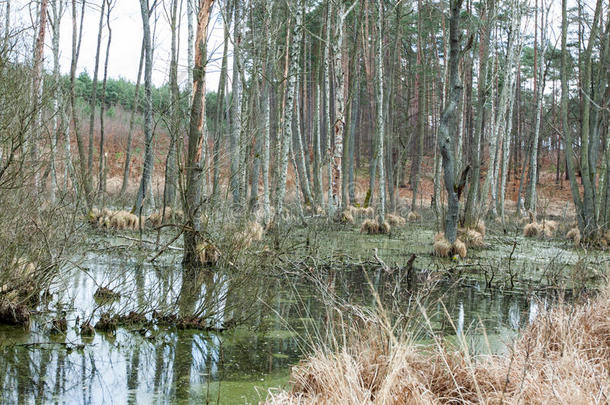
562,357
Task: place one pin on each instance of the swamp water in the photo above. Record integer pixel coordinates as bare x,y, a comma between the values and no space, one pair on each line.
277,317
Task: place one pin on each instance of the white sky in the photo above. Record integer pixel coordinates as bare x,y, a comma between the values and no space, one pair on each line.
126,25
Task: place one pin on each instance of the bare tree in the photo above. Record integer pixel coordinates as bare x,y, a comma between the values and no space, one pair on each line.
197,141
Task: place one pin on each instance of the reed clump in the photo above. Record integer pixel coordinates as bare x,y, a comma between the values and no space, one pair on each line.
444,248
374,227
413,216
574,235
396,220
562,357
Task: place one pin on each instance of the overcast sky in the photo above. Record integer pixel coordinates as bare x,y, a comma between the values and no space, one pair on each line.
126,25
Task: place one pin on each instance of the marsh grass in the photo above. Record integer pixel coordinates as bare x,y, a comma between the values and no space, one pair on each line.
563,356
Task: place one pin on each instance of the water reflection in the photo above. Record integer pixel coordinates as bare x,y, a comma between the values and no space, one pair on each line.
169,365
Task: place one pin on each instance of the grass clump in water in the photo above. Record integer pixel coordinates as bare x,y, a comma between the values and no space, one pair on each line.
563,356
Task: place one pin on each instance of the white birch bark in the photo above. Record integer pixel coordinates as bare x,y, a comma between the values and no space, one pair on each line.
326,75
236,109
57,11
505,118
290,94
533,176
190,48
339,124
267,114
380,123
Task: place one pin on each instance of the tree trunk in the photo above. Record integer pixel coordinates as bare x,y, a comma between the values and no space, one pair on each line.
288,110
132,121
93,99
236,108
148,133
448,123
380,116
82,157
171,162
588,207
101,176
197,142
475,150
339,124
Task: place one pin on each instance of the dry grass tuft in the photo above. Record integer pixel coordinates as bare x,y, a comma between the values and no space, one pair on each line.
545,229
562,357
473,238
396,220
459,248
208,253
532,230
109,219
413,216
361,212
480,227
574,235
346,216
373,227
157,218
444,248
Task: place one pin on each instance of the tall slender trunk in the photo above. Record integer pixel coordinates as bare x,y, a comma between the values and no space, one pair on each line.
421,115
339,124
588,208
475,150
101,177
132,121
171,162
326,75
82,157
448,122
37,88
317,158
531,197
93,99
267,114
196,143
236,108
289,109
221,111
57,10
509,92
299,150
380,116
148,133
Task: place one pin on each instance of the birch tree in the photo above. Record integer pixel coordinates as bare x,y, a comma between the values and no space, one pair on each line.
475,152
132,121
236,108
148,109
339,124
288,110
93,99
380,115
102,177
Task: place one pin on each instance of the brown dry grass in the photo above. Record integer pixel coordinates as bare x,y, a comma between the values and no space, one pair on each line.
574,235
563,357
373,227
396,220
443,248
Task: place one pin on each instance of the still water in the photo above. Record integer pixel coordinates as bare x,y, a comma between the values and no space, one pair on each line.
277,319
